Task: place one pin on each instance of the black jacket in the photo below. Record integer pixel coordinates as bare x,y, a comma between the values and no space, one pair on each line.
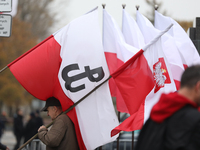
30,129
18,126
3,147
181,131
178,131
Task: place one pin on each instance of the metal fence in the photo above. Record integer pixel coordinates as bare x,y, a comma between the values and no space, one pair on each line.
124,144
36,144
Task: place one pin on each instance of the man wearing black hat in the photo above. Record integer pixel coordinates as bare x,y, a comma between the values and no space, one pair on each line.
62,134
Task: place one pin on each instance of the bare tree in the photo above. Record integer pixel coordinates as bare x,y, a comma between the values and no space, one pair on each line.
151,13
39,14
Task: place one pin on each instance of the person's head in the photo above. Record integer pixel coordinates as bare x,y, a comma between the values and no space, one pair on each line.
190,76
190,80
37,113
4,113
32,115
19,112
53,107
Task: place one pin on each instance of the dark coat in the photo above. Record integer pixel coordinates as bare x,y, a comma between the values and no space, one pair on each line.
18,126
30,129
181,131
39,122
3,147
61,136
2,126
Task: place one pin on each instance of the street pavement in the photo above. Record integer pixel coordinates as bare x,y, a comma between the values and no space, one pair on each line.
8,139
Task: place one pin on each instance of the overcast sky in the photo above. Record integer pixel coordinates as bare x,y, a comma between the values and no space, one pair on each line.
177,9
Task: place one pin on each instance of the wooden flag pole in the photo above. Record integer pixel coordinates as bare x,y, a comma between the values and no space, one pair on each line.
70,108
3,69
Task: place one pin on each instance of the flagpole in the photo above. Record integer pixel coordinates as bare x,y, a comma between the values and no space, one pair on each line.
157,37
103,5
123,6
156,7
119,133
70,108
3,69
132,140
137,7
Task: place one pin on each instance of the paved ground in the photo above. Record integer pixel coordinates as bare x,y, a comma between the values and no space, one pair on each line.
8,139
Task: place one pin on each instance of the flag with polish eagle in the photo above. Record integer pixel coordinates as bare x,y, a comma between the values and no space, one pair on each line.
141,80
186,48
117,51
169,47
68,65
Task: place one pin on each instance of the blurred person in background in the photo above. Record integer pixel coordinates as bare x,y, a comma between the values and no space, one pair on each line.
3,121
2,127
39,120
18,127
30,127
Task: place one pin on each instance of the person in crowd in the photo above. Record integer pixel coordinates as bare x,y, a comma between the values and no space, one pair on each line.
3,121
62,134
174,122
39,120
30,127
18,127
2,127
3,117
3,147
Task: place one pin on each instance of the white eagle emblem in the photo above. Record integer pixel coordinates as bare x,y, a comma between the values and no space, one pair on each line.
159,77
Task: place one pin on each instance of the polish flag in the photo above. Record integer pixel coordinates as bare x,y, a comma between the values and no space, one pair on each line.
117,51
132,34
142,80
169,47
68,65
186,48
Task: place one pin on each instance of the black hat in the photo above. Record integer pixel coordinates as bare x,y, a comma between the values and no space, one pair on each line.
32,114
52,101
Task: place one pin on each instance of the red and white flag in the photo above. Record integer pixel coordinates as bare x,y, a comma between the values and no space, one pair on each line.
68,65
142,80
169,47
117,51
131,31
184,44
